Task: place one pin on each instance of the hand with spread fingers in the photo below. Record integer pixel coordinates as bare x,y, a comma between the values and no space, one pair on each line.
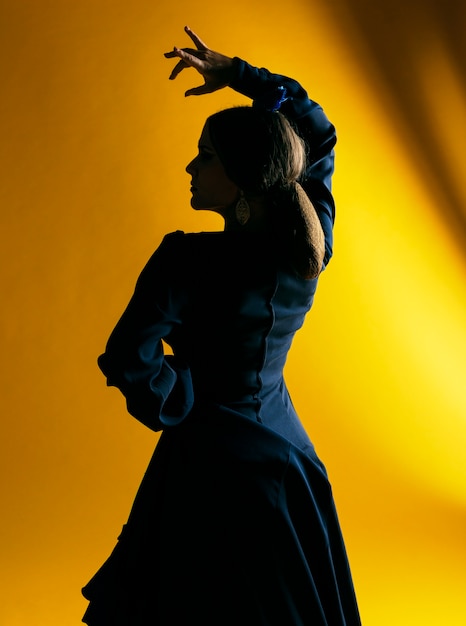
215,68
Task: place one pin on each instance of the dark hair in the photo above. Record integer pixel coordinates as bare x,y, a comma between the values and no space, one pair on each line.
265,157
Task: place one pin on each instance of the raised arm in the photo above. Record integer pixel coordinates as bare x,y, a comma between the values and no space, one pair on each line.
219,71
312,125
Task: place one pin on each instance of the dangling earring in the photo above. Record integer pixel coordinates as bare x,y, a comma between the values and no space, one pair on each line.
242,210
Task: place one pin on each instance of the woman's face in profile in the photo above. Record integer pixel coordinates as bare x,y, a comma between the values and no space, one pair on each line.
211,188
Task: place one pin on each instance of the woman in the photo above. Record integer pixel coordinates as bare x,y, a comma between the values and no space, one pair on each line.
234,522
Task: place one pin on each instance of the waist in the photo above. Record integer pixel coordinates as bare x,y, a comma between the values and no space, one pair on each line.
248,406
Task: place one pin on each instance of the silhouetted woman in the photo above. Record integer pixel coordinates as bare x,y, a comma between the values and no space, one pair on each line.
234,523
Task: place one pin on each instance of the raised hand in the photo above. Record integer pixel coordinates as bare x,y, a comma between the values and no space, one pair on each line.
215,68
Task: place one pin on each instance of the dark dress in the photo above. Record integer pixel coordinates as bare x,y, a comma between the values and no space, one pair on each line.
234,522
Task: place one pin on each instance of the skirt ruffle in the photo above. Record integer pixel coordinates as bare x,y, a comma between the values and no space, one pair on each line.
232,524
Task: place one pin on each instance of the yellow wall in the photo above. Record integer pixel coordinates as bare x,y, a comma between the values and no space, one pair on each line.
94,141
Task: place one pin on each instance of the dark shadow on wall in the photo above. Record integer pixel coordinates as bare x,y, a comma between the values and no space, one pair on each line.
398,40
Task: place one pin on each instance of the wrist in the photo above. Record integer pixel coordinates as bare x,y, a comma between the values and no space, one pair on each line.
228,69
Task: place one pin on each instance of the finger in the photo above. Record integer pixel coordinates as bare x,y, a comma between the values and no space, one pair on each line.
179,67
176,52
191,57
199,91
200,45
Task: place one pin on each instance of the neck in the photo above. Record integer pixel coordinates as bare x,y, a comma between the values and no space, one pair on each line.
258,220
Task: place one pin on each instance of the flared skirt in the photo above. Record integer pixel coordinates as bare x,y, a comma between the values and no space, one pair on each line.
233,525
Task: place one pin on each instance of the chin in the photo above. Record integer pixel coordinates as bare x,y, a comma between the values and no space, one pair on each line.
195,205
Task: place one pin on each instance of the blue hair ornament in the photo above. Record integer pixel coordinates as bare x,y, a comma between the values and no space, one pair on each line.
272,100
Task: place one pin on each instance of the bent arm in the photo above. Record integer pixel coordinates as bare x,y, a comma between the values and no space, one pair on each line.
157,388
219,70
312,125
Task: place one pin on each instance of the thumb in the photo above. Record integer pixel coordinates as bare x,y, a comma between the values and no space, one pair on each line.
198,91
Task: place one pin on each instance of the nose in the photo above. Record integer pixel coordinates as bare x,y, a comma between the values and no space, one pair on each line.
191,166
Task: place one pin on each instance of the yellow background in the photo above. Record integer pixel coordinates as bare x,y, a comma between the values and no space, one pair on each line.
94,141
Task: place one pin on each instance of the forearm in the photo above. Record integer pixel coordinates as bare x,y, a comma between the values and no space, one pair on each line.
308,115
157,388
313,126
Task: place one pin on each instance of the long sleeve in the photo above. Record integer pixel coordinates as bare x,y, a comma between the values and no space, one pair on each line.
312,125
157,388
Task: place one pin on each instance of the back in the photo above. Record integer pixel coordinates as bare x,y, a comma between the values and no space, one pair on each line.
229,309
240,315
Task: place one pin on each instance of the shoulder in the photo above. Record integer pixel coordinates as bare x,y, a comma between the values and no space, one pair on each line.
216,251
177,242
181,254
173,239
180,239
196,244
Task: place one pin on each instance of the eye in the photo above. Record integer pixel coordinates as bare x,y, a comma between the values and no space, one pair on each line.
206,155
